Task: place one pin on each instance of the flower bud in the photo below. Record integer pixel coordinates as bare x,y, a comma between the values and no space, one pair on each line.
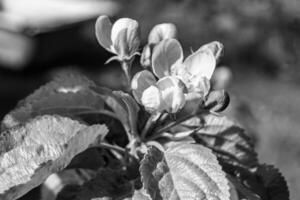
172,90
161,32
122,38
140,82
217,101
152,100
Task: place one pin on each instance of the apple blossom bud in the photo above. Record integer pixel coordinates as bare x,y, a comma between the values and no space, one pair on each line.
217,101
122,38
161,32
152,100
140,82
172,90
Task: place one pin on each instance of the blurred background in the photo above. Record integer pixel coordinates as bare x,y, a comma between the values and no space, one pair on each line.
42,38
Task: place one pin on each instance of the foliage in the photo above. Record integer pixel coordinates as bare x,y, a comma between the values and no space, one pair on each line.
166,138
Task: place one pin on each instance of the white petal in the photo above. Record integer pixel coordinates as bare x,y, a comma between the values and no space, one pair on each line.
152,100
201,63
140,82
172,91
161,32
217,48
103,28
123,23
165,54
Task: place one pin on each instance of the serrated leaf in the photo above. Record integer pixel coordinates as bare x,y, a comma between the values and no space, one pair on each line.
183,171
60,83
66,95
41,147
227,140
244,191
274,183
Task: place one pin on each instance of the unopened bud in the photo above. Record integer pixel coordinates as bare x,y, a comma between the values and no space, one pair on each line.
161,32
122,38
152,100
172,90
217,101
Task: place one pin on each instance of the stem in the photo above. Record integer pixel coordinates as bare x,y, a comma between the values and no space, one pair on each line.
170,125
126,67
113,147
154,119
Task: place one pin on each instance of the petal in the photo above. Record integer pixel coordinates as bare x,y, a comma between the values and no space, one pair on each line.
201,63
133,39
103,31
217,48
200,85
152,99
121,45
172,90
165,54
125,36
161,32
145,59
123,23
140,82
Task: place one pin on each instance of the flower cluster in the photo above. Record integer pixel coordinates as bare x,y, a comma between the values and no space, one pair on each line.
169,81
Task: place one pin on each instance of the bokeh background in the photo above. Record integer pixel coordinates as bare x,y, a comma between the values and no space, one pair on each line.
42,38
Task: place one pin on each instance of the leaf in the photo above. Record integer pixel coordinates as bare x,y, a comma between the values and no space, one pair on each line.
65,80
183,171
115,104
132,109
42,146
107,183
67,95
274,183
244,191
227,140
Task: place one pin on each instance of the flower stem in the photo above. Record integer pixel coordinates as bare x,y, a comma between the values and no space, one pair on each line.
170,125
112,147
126,67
